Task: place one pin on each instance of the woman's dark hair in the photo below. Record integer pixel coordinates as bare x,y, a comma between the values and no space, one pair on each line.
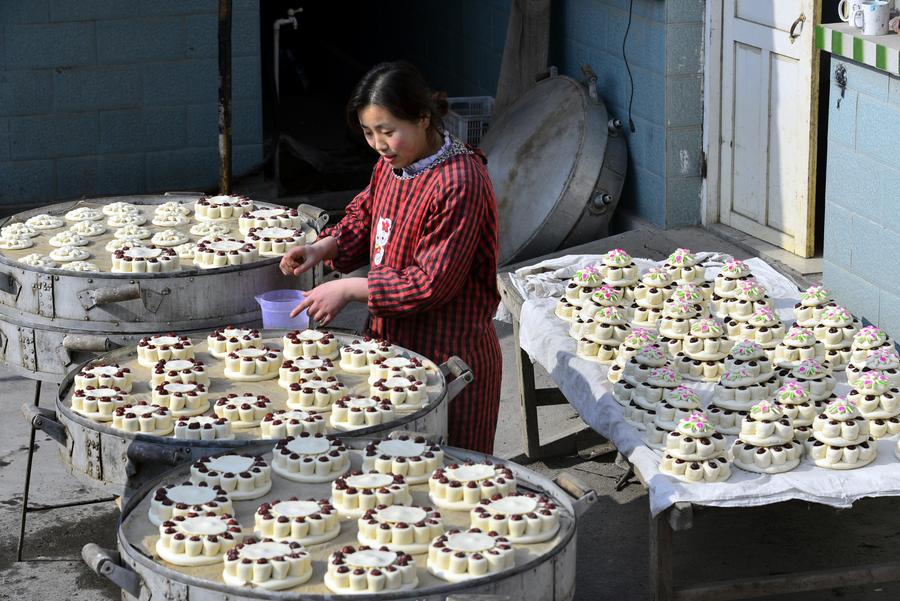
401,89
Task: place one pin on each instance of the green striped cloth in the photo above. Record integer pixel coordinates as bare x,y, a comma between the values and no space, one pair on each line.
843,40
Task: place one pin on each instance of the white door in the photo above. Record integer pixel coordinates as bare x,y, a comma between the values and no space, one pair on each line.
768,128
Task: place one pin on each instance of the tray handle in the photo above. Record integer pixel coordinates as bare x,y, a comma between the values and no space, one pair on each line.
108,563
93,297
462,376
154,454
46,421
582,495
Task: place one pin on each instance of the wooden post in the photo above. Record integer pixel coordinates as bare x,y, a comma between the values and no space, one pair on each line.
225,96
660,568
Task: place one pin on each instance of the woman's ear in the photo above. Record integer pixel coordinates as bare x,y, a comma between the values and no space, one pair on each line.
425,121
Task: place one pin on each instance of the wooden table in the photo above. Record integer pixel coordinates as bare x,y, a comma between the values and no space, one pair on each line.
656,244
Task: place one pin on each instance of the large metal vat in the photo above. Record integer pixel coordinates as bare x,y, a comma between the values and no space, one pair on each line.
52,319
545,574
557,162
120,462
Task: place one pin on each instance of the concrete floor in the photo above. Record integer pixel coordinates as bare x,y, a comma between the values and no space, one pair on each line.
612,543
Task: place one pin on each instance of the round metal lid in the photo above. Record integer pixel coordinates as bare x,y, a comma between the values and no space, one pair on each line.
544,157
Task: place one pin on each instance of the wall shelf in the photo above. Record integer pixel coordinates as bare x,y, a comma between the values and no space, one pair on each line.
879,51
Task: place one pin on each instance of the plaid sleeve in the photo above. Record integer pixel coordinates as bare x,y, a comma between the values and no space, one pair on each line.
443,253
352,234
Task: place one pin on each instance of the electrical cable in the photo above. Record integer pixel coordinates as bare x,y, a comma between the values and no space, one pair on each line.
627,68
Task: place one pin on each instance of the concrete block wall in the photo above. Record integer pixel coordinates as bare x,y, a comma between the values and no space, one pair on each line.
862,205
104,97
665,54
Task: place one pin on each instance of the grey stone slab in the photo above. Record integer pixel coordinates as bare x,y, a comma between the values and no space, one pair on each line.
187,168
851,291
89,10
684,149
102,87
53,135
27,181
838,235
24,12
76,177
50,45
184,82
140,40
864,79
684,100
683,201
684,49
685,11
140,130
26,92
878,129
121,174
842,116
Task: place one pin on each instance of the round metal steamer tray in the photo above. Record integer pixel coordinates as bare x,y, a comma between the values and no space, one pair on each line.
121,462
542,572
52,319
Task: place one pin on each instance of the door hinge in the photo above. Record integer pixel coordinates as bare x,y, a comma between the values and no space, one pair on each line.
703,164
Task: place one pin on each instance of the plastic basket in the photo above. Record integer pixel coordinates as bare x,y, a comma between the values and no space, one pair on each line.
468,117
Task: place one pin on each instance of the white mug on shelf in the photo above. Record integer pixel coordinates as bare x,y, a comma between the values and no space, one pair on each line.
874,15
847,9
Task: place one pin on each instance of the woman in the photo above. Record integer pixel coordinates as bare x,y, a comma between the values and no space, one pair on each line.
427,225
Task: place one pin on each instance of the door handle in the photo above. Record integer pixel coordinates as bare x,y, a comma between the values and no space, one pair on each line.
793,36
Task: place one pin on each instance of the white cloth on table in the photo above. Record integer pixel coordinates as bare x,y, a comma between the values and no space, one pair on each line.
545,338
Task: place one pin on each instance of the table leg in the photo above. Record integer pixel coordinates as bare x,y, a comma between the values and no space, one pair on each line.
660,567
527,397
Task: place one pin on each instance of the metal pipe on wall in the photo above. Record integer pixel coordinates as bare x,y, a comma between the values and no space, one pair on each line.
225,96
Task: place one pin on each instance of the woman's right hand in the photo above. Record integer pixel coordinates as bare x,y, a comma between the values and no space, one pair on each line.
299,259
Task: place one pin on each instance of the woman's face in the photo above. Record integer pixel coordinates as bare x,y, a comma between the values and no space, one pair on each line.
401,143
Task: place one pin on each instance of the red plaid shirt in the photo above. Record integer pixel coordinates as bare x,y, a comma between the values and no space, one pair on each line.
433,276
432,241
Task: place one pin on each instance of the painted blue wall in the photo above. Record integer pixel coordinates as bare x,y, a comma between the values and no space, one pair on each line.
862,204
103,97
665,54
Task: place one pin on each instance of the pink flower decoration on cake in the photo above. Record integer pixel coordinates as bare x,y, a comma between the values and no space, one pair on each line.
883,359
838,314
683,394
745,349
663,374
618,257
801,335
809,368
735,268
841,407
817,293
871,380
696,423
764,316
871,335
680,257
607,293
792,391
687,292
639,337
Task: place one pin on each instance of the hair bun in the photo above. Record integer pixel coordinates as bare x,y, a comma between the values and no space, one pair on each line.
441,105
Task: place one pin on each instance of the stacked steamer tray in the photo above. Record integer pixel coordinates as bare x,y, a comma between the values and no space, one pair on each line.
748,379
636,339
601,339
872,349
877,402
677,404
695,452
703,351
655,286
799,344
725,284
620,272
173,398
100,274
813,302
636,370
675,323
763,328
797,405
836,331
766,441
841,439
578,290
476,525
641,411
748,296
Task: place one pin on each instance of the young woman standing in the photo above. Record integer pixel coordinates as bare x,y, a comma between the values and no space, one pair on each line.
427,225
